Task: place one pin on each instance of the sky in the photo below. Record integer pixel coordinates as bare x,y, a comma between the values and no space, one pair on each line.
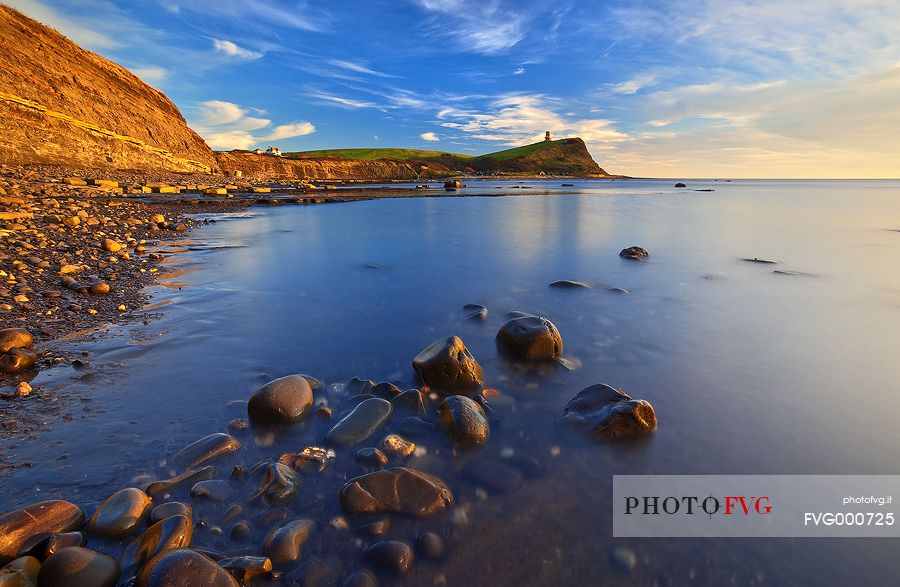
661,88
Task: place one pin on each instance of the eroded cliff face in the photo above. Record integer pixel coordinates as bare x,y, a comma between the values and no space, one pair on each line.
256,166
65,105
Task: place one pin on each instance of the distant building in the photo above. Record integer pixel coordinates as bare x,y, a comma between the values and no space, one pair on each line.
547,136
258,151
273,151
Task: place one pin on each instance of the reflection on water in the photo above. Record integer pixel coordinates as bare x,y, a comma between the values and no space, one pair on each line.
752,368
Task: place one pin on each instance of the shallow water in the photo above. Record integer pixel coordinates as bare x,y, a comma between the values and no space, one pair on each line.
750,371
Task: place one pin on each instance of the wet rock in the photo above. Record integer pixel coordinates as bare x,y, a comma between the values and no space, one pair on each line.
18,525
214,490
398,446
120,514
619,290
463,420
43,545
167,510
312,459
361,423
763,261
360,386
76,566
415,427
448,366
530,338
284,544
359,578
15,338
170,533
495,477
206,449
15,360
530,467
636,253
377,528
475,312
409,402
184,568
285,400
22,572
567,284
430,545
371,456
386,390
314,572
273,483
623,559
238,425
160,489
608,413
393,554
244,568
241,532
680,185
517,314
399,490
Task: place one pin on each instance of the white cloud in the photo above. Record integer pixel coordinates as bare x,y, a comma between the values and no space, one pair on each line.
230,49
358,68
294,129
151,73
476,26
634,85
226,125
429,136
342,102
256,13
519,71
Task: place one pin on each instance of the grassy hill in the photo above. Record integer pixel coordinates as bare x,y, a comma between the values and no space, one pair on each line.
371,154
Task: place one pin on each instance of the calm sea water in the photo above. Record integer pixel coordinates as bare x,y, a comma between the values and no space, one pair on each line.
750,371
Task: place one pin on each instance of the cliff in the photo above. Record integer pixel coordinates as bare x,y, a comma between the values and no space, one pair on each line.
256,166
65,105
561,157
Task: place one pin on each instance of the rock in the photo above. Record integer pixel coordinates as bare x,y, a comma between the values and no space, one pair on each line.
184,568
186,480
157,219
244,568
530,467
120,514
448,366
567,284
393,554
636,253
166,510
619,290
111,246
377,528
100,288
763,261
76,566
397,446
22,572
359,578
680,185
313,572
530,338
214,490
495,477
283,400
409,401
273,483
16,360
386,390
23,389
43,545
361,423
430,545
284,544
463,420
19,525
623,559
15,338
399,490
475,312
416,427
312,459
371,456
607,413
74,181
172,533
206,449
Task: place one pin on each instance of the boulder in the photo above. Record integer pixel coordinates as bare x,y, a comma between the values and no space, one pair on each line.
463,420
172,533
399,490
608,413
120,514
447,365
529,338
362,422
76,566
19,525
635,253
22,572
283,400
184,568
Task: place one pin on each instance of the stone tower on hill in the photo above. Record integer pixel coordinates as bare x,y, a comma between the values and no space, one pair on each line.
547,136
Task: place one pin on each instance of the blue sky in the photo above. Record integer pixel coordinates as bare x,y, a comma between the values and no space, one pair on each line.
693,88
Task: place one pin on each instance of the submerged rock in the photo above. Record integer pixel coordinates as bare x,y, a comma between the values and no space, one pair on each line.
283,400
636,253
463,420
174,532
430,545
206,449
362,422
475,312
244,568
19,525
568,284
607,413
495,477
79,567
359,578
184,568
273,483
284,544
530,338
393,554
186,480
447,365
120,514
166,510
399,490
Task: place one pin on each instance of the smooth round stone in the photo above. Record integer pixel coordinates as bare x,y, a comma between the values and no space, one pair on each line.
15,338
530,338
447,365
416,427
120,514
43,545
167,510
273,483
22,572
171,533
284,544
281,401
569,284
410,402
495,477
386,390
463,420
244,568
359,578
430,545
371,456
206,449
608,413
76,566
636,253
393,554
475,312
18,526
186,480
241,532
361,423
214,490
313,572
17,359
397,445
399,490
184,568
377,528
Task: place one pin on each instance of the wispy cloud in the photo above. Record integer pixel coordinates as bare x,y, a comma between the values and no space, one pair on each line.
231,49
634,85
226,125
302,16
476,26
429,136
341,102
151,74
358,68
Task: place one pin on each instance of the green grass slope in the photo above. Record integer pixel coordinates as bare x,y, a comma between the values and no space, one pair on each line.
523,151
371,154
